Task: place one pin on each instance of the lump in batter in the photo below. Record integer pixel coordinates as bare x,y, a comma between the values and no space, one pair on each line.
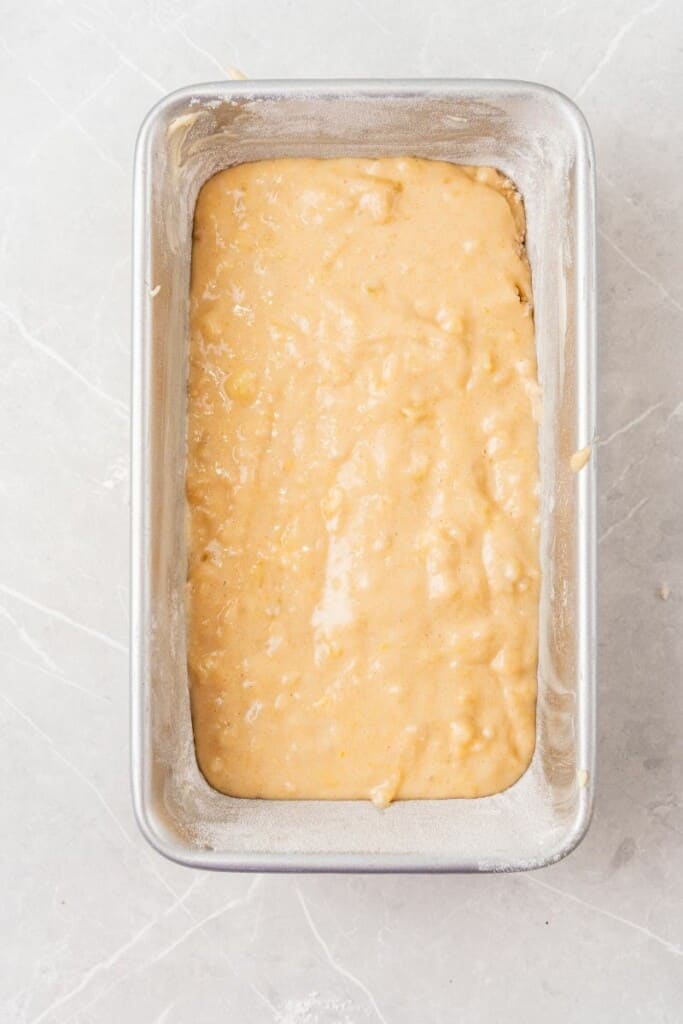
362,481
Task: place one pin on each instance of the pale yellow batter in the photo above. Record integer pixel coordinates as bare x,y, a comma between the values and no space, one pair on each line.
362,481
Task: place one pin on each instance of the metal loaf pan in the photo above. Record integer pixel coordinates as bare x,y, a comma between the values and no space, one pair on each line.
540,140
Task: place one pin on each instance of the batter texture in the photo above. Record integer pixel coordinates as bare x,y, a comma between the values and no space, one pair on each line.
362,481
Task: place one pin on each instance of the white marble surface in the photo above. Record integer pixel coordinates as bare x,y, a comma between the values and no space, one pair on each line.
96,927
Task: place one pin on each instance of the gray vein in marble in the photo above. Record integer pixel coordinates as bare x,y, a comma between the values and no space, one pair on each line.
614,44
334,964
603,176
163,1016
560,10
30,642
538,67
670,946
125,59
71,117
54,613
195,12
66,115
641,270
261,996
200,49
636,421
59,676
119,407
197,925
179,903
65,760
623,520
123,597
627,468
114,957
367,12
646,455
675,412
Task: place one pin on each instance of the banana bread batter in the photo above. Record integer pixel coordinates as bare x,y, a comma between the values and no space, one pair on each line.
362,481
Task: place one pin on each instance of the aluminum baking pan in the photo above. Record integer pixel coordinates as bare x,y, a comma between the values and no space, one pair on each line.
540,140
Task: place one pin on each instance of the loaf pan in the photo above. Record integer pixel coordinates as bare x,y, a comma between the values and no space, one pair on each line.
540,140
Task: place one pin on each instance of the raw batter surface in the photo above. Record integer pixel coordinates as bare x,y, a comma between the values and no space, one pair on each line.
362,481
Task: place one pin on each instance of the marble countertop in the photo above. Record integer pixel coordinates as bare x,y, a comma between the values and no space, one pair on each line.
95,926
